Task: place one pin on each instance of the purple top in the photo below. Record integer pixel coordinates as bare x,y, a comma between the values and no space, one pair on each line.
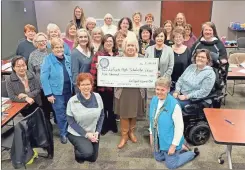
69,43
191,41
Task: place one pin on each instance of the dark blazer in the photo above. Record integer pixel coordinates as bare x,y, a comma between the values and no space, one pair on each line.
15,87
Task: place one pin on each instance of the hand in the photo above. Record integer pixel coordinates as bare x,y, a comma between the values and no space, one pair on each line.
223,61
29,100
171,150
22,95
51,99
91,137
96,135
182,97
175,94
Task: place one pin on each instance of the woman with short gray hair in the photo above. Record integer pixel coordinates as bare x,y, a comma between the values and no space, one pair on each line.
167,127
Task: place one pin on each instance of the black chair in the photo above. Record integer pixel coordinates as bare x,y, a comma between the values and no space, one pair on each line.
4,92
33,131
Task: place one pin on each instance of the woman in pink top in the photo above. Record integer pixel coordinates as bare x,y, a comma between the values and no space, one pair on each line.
190,38
70,35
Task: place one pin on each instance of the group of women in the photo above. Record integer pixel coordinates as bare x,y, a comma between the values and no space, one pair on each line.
62,78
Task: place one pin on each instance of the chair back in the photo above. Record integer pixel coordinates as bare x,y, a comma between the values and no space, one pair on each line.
4,89
241,42
237,58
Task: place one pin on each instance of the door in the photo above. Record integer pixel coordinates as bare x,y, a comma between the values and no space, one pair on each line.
196,12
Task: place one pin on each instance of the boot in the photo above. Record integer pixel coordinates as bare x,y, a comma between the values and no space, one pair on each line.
124,132
132,126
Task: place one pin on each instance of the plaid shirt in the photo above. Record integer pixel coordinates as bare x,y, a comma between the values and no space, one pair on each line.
93,71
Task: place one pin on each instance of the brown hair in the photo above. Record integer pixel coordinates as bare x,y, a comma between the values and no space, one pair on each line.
149,16
198,51
212,25
104,38
29,27
178,30
168,22
188,26
68,27
118,33
82,19
159,31
15,59
84,76
184,20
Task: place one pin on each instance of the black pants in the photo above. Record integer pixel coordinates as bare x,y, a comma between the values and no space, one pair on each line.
29,109
110,118
47,106
84,149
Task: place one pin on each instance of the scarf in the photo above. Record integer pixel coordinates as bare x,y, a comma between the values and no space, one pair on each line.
86,102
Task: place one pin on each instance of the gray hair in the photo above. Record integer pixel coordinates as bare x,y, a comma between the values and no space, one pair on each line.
164,81
130,39
36,37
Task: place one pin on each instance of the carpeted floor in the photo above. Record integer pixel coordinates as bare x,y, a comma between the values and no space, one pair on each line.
138,156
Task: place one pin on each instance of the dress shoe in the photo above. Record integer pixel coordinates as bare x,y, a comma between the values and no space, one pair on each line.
63,139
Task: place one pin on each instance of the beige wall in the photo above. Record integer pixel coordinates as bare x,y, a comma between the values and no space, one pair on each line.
61,12
225,12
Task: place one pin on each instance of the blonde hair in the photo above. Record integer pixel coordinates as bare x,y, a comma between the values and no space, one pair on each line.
136,14
164,81
97,29
52,26
130,39
82,19
56,41
89,45
68,27
36,37
184,19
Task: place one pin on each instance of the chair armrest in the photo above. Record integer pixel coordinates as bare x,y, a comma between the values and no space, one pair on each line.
211,96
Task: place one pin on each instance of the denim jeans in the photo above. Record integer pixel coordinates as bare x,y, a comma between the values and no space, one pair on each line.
59,107
176,160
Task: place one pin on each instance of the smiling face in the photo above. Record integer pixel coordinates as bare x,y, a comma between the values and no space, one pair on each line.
136,18
85,87
161,92
201,59
97,36
180,20
91,26
149,21
145,35
72,30
41,42
30,34
178,39
119,40
124,25
208,32
82,39
58,50
108,45
78,13
168,27
54,33
108,21
187,31
20,67
130,49
160,38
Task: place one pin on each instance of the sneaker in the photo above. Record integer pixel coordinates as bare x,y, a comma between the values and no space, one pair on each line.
197,152
63,139
33,157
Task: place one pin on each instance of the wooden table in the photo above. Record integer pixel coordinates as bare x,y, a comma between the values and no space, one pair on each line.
234,74
230,46
226,133
5,72
14,109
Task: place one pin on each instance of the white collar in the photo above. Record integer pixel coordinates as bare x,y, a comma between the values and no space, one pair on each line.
79,48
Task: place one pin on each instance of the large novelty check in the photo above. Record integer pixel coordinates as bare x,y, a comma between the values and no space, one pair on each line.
127,72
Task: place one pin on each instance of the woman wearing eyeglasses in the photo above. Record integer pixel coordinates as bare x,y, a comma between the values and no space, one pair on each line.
34,65
23,86
197,80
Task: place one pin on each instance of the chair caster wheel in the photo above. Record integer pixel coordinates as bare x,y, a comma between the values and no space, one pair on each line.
221,161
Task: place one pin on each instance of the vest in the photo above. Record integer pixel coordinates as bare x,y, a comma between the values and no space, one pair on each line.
165,122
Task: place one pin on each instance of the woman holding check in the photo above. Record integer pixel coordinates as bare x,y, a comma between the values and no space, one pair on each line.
85,116
166,127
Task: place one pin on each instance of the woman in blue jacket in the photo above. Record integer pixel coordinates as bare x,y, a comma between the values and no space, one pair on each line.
166,127
57,83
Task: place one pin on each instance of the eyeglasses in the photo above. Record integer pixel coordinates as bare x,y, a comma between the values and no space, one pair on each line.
41,41
201,57
20,66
